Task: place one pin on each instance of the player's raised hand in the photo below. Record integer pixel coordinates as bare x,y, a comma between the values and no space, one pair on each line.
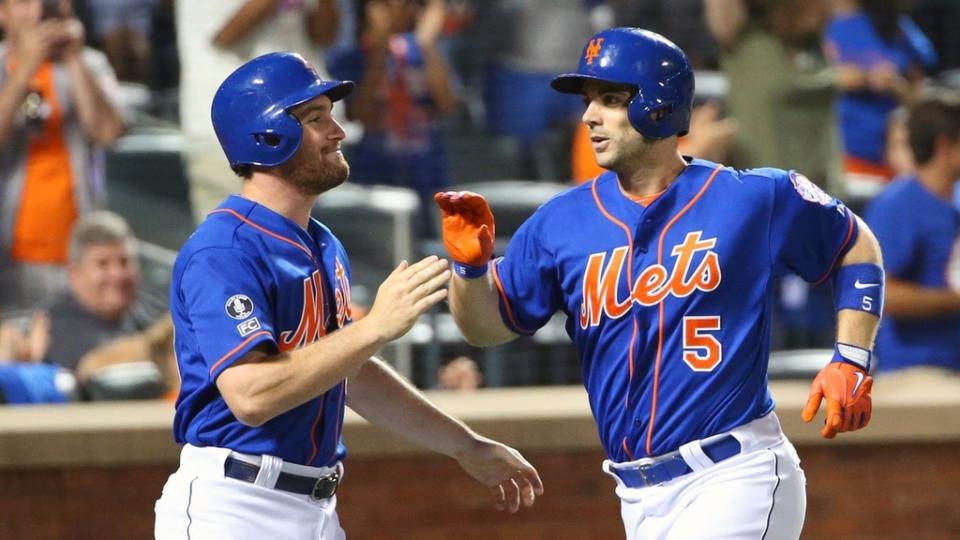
408,292
847,390
511,479
468,226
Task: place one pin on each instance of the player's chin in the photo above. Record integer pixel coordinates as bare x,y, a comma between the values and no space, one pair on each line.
605,159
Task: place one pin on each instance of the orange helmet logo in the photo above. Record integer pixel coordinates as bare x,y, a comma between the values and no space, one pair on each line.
593,50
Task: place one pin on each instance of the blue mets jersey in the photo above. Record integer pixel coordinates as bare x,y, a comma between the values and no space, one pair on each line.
919,234
251,278
669,305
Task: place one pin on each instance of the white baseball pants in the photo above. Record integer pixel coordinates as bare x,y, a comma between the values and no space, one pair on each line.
199,502
758,494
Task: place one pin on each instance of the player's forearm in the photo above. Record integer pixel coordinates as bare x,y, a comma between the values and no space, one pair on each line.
475,306
263,388
380,395
907,300
857,327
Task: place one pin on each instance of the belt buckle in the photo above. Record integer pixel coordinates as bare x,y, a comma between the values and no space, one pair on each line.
325,487
651,476
642,471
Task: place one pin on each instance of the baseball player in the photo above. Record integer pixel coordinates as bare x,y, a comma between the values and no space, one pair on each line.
664,268
267,353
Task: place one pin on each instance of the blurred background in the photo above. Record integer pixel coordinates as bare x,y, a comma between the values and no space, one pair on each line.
774,87
109,160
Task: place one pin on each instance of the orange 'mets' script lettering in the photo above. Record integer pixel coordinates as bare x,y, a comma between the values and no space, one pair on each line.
652,285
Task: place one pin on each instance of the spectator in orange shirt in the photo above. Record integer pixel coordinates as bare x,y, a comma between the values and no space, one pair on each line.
57,110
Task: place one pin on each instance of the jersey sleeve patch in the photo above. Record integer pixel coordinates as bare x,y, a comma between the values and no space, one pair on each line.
808,190
810,231
239,306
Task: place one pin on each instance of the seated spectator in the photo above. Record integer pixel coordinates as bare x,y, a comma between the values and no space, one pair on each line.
404,87
880,55
58,109
95,323
461,373
918,228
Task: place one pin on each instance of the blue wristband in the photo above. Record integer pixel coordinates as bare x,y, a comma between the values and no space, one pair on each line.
859,287
851,354
467,271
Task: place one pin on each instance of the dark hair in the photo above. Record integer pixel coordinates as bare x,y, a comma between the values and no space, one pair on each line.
885,16
243,171
934,116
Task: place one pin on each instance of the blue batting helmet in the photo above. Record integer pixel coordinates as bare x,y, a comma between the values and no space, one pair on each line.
251,109
647,61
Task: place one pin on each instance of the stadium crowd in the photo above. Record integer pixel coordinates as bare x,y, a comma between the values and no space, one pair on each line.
860,95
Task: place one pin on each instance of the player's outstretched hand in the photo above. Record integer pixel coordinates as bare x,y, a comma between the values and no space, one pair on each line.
511,479
847,390
408,292
468,227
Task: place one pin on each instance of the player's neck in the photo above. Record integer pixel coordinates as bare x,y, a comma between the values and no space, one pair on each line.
653,171
937,180
279,196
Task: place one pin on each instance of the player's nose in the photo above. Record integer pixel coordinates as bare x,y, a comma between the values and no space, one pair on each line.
590,115
337,132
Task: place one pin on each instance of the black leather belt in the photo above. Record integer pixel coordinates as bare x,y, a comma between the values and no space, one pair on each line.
672,465
320,488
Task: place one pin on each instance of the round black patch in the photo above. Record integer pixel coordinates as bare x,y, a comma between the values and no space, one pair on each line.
239,306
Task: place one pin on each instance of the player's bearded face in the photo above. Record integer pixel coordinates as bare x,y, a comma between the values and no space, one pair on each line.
314,174
318,165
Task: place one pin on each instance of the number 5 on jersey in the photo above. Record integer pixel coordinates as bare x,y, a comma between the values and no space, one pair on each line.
701,350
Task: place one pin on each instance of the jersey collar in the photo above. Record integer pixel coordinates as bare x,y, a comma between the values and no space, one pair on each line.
271,221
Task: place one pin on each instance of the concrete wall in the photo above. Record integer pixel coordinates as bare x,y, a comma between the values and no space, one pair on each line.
95,470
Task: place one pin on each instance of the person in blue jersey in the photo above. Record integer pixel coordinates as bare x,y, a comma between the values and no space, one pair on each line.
918,227
664,267
260,299
881,57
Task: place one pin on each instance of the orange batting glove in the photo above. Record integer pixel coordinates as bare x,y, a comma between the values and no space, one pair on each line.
847,389
468,227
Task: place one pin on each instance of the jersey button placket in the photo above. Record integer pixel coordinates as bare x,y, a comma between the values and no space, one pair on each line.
642,235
